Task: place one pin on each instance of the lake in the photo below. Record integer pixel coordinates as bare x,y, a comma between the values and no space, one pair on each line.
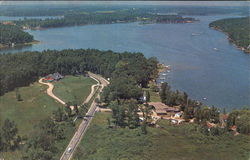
204,64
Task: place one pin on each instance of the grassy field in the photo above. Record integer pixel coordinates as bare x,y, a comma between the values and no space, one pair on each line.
170,142
73,88
37,105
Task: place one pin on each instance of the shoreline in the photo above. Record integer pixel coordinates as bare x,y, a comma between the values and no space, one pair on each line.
2,47
160,69
231,40
163,68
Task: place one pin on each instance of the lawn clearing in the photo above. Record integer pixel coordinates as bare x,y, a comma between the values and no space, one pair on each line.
37,105
73,89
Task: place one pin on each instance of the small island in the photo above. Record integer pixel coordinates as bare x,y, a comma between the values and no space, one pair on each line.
237,30
12,35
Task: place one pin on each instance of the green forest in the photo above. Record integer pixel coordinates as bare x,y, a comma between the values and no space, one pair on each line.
21,69
237,30
12,34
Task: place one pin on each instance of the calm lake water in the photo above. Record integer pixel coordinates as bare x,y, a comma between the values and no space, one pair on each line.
222,75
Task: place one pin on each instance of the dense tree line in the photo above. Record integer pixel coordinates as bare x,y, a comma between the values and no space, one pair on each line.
21,69
62,9
237,30
13,34
79,18
52,10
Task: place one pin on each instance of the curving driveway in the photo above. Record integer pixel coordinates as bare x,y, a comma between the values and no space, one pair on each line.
50,91
51,94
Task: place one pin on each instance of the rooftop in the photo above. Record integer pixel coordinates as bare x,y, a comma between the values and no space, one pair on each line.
163,108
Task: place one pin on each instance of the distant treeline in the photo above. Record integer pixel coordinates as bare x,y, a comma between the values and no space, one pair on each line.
12,34
21,69
102,17
63,9
237,30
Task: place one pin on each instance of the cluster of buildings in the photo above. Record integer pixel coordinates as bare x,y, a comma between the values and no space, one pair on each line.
163,111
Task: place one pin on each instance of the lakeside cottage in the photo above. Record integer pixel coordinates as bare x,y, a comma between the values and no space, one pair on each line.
162,109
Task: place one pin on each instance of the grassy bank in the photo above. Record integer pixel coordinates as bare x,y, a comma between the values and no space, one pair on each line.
73,88
168,142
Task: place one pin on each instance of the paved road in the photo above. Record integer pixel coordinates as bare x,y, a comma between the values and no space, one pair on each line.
69,151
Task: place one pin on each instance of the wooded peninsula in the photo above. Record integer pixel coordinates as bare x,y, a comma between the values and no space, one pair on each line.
237,30
102,17
11,35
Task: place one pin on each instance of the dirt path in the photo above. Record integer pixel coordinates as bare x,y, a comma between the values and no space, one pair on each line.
50,91
51,94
